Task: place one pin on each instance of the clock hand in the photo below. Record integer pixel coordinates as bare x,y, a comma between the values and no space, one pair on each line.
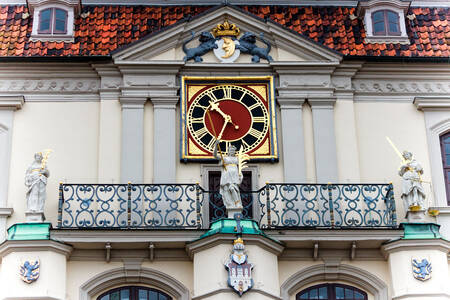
227,118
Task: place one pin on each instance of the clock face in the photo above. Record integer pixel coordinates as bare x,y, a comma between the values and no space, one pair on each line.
236,112
246,127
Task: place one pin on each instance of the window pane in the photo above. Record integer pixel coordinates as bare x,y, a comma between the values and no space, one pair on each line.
60,14
447,159
392,17
60,20
447,139
378,16
115,296
162,297
339,293
447,148
358,296
125,294
323,293
105,297
348,294
44,20
60,26
304,296
313,294
378,27
393,27
153,295
142,295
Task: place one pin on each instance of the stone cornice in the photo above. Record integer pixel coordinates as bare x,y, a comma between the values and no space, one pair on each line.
132,102
34,245
425,244
11,102
290,102
321,103
218,239
6,211
32,4
432,103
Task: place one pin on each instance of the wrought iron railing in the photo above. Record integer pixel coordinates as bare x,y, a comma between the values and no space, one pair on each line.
327,205
129,205
190,206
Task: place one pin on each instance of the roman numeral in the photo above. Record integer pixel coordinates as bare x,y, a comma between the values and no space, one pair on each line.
259,119
243,95
255,133
211,143
257,104
201,132
226,92
244,143
198,120
211,96
201,106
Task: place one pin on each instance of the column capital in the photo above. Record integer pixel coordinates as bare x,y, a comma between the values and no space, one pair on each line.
169,102
132,102
11,102
322,103
290,102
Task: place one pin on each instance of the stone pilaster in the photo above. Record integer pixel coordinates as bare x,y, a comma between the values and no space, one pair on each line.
324,139
132,155
8,105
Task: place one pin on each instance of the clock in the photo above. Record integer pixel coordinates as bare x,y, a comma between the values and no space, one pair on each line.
239,112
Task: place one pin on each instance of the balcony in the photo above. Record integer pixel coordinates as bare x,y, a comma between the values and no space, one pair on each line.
189,206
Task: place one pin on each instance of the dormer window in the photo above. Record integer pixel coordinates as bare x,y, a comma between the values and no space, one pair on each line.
385,22
53,21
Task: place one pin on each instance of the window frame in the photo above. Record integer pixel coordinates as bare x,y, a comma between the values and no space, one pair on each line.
445,164
134,290
52,28
385,20
331,287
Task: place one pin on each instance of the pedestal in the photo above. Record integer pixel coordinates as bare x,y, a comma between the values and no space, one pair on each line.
232,211
34,217
416,216
213,250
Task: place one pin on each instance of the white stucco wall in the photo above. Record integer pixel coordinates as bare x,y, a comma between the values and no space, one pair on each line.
71,131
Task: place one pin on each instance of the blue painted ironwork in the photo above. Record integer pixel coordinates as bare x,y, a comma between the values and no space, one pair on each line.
129,206
327,205
181,206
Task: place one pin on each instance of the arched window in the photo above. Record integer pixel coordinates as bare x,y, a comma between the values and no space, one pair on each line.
134,293
445,151
332,291
385,22
53,21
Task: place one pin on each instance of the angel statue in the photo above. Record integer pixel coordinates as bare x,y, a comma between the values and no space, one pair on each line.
231,177
36,182
413,193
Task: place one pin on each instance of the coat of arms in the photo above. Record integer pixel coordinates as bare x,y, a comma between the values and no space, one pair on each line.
239,270
29,270
422,269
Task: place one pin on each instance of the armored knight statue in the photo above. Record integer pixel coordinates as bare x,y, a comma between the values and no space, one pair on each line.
36,183
230,179
413,194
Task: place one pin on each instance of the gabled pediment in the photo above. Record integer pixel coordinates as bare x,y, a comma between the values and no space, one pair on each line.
167,44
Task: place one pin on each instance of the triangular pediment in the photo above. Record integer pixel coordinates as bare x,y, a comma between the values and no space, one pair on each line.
167,45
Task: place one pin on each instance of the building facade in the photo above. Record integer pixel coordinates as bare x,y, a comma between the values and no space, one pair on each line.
124,102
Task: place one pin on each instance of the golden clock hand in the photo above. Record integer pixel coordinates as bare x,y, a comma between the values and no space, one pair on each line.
227,120
215,136
215,106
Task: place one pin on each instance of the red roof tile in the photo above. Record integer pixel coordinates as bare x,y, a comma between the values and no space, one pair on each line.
106,28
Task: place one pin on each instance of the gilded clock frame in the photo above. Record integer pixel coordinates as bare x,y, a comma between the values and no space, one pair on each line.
185,156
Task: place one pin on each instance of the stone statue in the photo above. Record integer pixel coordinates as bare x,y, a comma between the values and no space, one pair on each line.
413,193
230,180
36,182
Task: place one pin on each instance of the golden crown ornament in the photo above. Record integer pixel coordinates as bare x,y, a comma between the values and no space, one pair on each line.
226,29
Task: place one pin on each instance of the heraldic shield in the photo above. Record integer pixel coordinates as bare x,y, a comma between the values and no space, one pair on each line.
239,270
